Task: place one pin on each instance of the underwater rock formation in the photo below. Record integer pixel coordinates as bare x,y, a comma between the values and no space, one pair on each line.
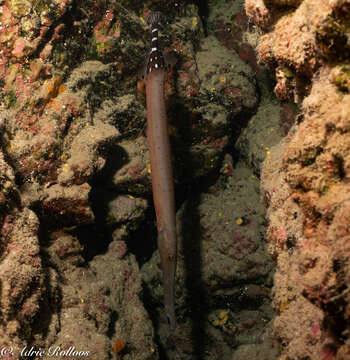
75,179
56,137
304,181
224,271
223,275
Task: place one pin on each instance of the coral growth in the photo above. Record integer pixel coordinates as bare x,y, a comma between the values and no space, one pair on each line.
304,180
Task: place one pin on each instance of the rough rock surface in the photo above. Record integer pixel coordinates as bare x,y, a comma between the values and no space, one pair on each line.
223,277
304,180
75,181
224,271
94,297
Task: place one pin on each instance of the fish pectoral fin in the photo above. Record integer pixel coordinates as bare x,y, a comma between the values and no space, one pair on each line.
142,69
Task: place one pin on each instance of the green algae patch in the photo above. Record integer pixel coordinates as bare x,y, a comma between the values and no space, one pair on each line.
340,76
10,99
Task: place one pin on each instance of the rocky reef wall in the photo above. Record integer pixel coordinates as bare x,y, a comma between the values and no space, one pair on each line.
78,262
75,191
305,180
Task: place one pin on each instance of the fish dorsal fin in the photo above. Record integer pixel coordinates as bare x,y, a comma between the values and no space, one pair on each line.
142,69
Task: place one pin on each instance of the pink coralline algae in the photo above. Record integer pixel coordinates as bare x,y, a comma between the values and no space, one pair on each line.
258,12
21,275
68,205
106,32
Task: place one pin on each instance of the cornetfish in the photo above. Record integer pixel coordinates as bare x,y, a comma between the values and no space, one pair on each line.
160,159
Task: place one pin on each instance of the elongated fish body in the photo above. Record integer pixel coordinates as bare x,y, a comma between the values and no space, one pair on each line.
161,170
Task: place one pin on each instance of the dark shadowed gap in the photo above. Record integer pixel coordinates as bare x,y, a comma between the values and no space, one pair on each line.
203,10
197,300
143,242
97,236
188,195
